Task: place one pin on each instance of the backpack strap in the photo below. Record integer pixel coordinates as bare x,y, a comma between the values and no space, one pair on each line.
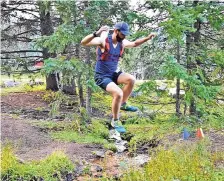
122,50
105,54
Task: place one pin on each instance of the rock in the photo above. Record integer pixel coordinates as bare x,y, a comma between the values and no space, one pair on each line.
97,174
220,101
10,83
96,171
135,94
162,87
20,160
78,170
115,174
99,169
121,145
69,177
69,107
113,134
36,83
56,120
121,142
172,92
120,148
182,92
109,152
100,154
141,160
96,168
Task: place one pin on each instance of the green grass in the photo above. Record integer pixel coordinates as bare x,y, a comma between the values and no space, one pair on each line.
157,121
96,133
154,122
22,88
23,79
159,126
102,101
12,169
89,138
187,163
77,137
145,130
57,126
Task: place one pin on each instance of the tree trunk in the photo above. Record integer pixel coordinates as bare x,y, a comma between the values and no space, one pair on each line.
196,36
189,39
178,113
79,81
70,89
190,65
89,91
80,88
47,29
88,62
192,38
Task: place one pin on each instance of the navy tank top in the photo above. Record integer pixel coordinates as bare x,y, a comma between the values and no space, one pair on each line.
109,66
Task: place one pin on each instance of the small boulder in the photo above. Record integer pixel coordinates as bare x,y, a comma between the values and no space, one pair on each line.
113,134
120,148
100,154
162,87
10,83
141,159
78,170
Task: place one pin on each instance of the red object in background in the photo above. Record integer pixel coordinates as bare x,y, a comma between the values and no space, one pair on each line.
199,133
39,64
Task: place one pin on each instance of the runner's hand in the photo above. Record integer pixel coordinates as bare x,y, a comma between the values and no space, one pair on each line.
103,28
152,35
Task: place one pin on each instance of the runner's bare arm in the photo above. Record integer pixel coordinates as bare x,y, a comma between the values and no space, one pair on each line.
90,40
131,44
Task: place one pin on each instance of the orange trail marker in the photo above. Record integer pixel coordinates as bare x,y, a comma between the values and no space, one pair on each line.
199,133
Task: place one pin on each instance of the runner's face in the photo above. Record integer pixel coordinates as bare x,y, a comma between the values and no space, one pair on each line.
120,36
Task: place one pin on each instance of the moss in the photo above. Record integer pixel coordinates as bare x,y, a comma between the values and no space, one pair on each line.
49,96
79,137
183,163
22,88
102,101
99,128
96,133
56,126
52,167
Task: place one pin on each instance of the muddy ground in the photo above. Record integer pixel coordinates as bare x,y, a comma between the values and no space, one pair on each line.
31,143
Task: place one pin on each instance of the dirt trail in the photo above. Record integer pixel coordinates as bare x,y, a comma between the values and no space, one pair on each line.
32,144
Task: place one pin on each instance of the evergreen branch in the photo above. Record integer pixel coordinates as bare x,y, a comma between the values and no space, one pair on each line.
20,51
22,57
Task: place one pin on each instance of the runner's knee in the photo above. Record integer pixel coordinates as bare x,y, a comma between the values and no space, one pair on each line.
131,80
118,94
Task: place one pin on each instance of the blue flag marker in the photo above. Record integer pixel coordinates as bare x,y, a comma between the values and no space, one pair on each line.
186,134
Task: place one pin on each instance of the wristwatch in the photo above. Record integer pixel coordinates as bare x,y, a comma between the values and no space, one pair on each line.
94,34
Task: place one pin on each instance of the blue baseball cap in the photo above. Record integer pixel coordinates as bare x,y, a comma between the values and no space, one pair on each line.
123,27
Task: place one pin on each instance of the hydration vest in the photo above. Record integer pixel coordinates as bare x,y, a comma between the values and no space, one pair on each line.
107,54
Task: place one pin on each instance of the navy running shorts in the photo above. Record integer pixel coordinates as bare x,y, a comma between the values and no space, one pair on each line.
103,80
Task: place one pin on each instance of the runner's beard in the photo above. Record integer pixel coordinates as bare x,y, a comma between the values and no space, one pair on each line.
119,39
